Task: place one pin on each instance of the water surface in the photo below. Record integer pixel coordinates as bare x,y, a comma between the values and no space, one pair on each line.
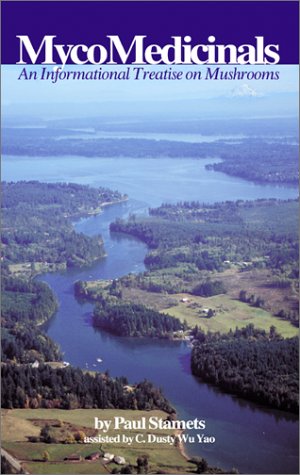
252,438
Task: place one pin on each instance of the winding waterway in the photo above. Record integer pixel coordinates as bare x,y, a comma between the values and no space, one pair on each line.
249,437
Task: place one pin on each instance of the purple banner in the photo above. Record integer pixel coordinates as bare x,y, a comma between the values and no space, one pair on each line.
89,23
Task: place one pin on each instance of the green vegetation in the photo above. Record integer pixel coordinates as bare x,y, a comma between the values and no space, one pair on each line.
256,159
134,320
250,363
71,388
209,288
38,234
260,161
26,300
28,423
228,314
37,223
26,305
207,251
214,242
212,249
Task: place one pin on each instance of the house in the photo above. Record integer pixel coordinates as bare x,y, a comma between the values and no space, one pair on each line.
93,456
107,457
128,388
119,460
73,458
36,364
184,300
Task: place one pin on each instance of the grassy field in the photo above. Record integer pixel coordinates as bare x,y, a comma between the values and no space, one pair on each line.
229,314
27,269
279,218
262,283
19,424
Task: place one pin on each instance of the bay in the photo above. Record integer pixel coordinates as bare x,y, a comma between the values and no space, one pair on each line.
249,437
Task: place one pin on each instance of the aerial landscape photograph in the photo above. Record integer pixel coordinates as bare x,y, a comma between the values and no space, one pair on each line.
150,274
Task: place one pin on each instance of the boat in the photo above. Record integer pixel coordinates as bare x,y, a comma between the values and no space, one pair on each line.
99,360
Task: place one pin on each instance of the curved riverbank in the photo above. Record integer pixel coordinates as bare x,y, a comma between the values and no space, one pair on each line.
261,437
252,438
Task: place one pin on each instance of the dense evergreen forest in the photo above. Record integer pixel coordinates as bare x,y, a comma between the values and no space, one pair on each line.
134,320
263,233
71,388
26,304
251,364
38,227
37,231
24,300
255,159
259,161
37,222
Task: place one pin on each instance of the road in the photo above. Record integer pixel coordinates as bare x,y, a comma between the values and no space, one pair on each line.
12,461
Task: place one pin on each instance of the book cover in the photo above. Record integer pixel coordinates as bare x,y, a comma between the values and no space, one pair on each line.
149,237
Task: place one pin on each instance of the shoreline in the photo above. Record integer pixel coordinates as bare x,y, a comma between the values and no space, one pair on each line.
181,448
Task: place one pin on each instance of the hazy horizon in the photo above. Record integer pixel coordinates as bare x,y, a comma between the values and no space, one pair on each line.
139,98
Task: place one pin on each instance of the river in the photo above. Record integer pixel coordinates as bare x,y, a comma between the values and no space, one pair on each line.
249,437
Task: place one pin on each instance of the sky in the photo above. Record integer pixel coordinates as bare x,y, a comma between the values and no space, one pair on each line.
15,91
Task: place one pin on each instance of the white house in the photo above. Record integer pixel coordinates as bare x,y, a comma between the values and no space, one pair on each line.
119,460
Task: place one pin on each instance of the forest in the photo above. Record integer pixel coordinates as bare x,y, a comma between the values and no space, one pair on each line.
134,320
37,222
210,249
251,364
262,233
25,305
191,246
71,388
24,300
37,226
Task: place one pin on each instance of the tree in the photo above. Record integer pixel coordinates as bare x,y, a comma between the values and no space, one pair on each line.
126,469
202,466
200,463
79,436
60,423
243,296
69,438
45,434
46,456
273,332
142,464
210,313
